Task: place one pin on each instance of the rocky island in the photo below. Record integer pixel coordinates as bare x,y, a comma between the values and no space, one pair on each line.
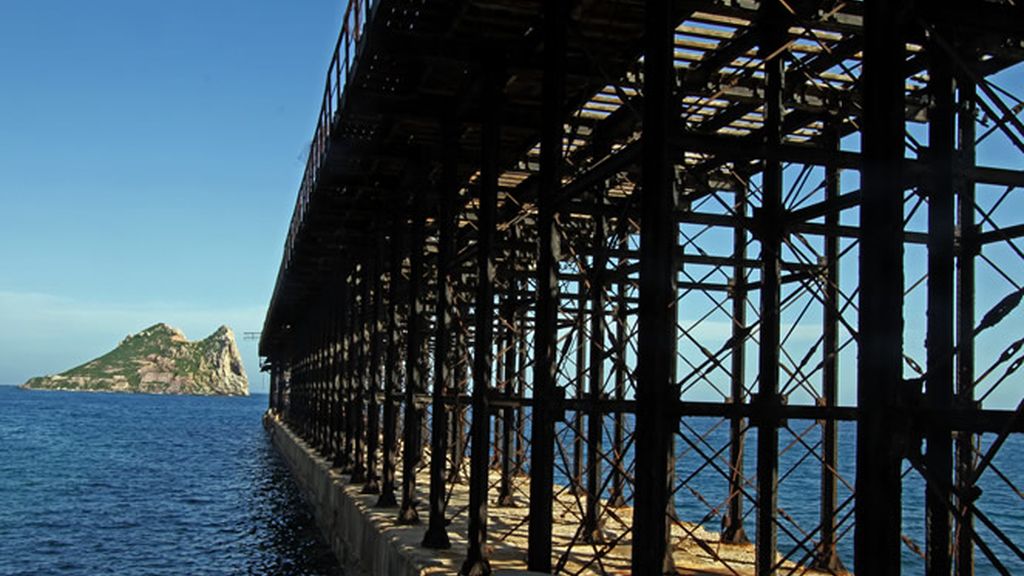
159,360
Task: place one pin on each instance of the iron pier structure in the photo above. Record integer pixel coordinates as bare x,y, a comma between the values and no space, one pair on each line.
668,259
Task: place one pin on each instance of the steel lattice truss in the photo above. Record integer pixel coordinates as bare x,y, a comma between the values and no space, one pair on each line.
688,274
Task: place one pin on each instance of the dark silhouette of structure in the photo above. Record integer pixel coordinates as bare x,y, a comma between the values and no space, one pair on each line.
550,234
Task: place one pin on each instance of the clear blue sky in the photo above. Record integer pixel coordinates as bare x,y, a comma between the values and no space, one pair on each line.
150,153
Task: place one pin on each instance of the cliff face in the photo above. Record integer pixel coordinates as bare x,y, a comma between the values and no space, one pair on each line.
159,360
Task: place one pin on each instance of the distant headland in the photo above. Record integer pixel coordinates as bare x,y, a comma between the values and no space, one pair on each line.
159,360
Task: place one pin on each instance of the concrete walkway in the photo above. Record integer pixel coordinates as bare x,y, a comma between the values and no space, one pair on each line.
367,540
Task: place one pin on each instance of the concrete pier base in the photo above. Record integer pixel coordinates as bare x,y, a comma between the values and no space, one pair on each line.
368,540
365,539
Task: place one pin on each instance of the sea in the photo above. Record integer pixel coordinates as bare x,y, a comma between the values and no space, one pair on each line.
179,485
128,484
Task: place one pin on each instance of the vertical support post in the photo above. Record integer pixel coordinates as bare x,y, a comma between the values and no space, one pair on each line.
461,385
965,329
508,376
320,388
373,381
616,498
522,362
351,318
327,382
879,374
656,394
556,17
827,555
331,359
500,376
769,222
576,482
592,528
272,398
314,420
492,78
939,341
360,334
339,379
327,377
392,377
732,523
415,376
318,354
437,533
318,384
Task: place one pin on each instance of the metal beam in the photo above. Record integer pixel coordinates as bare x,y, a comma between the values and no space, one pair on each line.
477,563
538,556
880,363
656,389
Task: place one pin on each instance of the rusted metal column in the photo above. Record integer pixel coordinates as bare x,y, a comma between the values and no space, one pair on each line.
285,387
508,368
437,533
308,377
300,388
315,430
299,405
657,392
295,396
277,381
732,522
307,413
415,363
330,360
522,362
321,418
826,555
331,377
333,401
272,397
361,337
616,498
576,482
372,485
769,225
461,384
880,370
965,329
313,382
500,375
592,526
322,389
308,380
556,15
940,316
492,77
351,320
393,375
340,377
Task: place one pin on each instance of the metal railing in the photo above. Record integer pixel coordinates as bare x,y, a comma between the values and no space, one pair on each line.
338,72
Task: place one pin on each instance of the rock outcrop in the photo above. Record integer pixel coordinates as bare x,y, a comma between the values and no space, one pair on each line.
159,360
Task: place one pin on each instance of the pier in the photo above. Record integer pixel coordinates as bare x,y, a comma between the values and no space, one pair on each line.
582,287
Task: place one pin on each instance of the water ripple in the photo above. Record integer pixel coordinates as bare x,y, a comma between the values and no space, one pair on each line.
123,484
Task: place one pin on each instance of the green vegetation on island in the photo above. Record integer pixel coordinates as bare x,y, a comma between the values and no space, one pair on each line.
159,360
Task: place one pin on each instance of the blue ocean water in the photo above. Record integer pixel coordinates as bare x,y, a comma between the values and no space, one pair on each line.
138,484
